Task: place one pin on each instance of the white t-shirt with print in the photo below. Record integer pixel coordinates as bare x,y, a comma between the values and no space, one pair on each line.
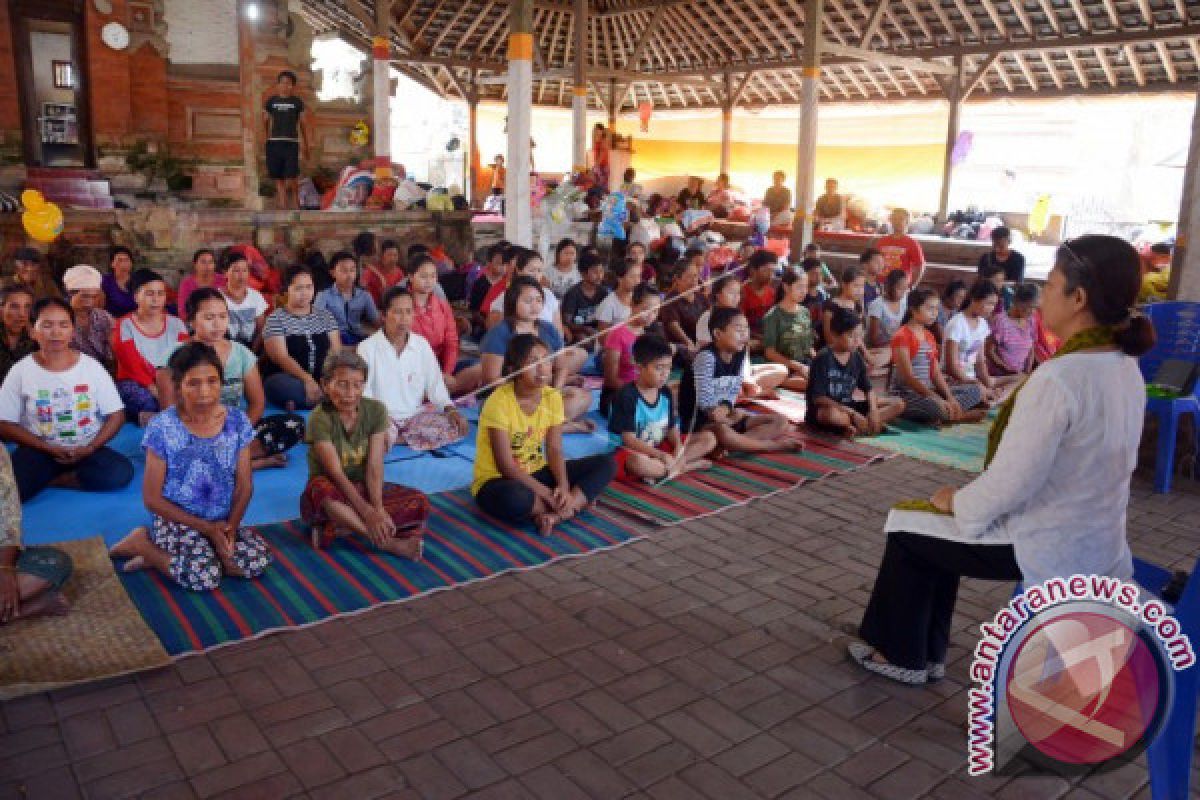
243,316
65,408
969,340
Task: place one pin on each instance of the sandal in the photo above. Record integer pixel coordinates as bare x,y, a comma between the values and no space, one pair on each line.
936,671
861,653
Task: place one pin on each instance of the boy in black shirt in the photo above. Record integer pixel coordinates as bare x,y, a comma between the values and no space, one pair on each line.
581,300
836,373
285,124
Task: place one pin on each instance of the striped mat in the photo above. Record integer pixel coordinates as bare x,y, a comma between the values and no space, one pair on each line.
738,479
305,586
959,446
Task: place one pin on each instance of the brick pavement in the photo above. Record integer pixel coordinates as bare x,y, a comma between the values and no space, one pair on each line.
696,664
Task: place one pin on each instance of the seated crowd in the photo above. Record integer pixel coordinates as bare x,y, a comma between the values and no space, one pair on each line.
372,351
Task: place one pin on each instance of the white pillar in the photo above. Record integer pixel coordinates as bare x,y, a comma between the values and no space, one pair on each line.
579,92
381,117
806,159
1185,265
518,217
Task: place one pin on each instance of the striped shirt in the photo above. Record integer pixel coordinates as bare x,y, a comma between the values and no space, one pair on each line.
306,337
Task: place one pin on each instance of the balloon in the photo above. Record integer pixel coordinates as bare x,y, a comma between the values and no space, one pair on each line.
962,147
360,134
1039,217
32,199
44,223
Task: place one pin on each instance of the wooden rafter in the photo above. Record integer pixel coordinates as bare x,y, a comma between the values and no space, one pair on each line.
873,23
1168,63
1080,71
1106,66
1051,70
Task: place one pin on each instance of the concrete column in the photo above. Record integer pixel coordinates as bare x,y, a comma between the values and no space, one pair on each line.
954,93
252,102
807,158
381,117
1185,265
579,92
518,217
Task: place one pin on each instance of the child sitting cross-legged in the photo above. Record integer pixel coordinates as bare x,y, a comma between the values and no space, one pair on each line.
836,373
710,387
198,483
345,494
1009,349
758,379
644,423
520,471
580,304
620,368
788,336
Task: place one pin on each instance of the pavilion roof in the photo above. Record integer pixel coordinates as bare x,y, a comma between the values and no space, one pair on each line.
703,53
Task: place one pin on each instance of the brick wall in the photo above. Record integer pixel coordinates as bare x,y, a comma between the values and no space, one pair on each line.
148,93
204,119
109,80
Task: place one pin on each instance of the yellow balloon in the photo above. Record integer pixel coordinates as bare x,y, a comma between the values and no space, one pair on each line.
32,199
1039,217
45,224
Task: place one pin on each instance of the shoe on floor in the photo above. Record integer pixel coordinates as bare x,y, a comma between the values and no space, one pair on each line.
861,653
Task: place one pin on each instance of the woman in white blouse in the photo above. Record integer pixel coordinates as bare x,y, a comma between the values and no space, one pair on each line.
1051,501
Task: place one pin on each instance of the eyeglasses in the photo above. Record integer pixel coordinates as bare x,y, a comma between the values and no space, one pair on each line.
1083,263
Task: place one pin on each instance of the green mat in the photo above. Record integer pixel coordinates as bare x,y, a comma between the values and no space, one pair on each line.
958,446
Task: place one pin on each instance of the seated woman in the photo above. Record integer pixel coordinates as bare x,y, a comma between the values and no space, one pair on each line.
118,294
16,304
297,339
204,275
682,308
31,578
198,483
1009,350
247,306
520,471
434,320
30,272
1052,500
789,340
240,381
142,341
965,335
954,297
917,375
885,315
522,309
61,408
93,325
405,376
345,493
378,277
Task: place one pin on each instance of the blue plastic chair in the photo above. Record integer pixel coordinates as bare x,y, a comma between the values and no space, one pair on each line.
1177,325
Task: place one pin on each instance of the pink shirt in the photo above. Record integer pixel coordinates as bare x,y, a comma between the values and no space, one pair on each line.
189,285
435,322
621,339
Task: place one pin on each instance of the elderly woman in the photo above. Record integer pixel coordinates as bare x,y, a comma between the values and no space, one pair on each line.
1052,499
297,338
93,325
30,577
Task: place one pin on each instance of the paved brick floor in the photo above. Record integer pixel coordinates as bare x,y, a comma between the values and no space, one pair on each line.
698,663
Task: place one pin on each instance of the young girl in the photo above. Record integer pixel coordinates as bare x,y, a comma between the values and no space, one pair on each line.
347,439
965,335
850,297
377,278
759,291
198,483
1009,350
917,379
788,337
204,274
619,365
886,314
247,307
118,294
527,263
522,309
434,320
954,297
142,341
617,307
710,387
520,471
564,274
297,339
837,373
240,381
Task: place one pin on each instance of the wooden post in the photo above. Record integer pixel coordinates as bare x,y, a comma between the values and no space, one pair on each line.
613,102
954,93
727,124
252,103
381,116
473,162
518,217
807,158
1185,264
580,90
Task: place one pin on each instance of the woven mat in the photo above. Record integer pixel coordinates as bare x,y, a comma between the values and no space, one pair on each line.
961,446
103,636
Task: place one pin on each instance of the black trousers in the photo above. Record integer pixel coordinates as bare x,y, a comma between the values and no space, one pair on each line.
908,617
512,501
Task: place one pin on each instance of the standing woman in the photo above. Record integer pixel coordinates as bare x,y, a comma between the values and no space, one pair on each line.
204,275
297,340
118,294
93,325
247,306
1051,501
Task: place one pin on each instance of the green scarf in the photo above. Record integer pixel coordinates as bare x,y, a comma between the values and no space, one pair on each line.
1084,340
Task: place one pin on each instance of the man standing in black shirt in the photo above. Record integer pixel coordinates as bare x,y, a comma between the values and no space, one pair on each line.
285,122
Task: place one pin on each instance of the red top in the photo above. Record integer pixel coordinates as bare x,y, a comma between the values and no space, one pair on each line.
908,340
498,288
901,251
756,303
436,323
377,285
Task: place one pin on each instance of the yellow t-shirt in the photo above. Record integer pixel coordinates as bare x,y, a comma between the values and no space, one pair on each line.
526,433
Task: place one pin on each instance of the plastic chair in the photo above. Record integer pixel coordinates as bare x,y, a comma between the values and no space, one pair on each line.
1177,325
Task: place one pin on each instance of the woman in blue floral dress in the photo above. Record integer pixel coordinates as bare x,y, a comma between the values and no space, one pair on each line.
198,483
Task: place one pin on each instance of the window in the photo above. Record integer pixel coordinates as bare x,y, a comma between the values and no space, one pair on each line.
64,75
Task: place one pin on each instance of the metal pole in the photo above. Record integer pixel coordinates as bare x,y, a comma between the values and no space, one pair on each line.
579,91
807,157
518,218
1185,264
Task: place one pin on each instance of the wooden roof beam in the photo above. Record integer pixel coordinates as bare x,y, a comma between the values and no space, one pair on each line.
1109,73
639,47
1168,64
889,59
873,23
1051,15
1077,65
